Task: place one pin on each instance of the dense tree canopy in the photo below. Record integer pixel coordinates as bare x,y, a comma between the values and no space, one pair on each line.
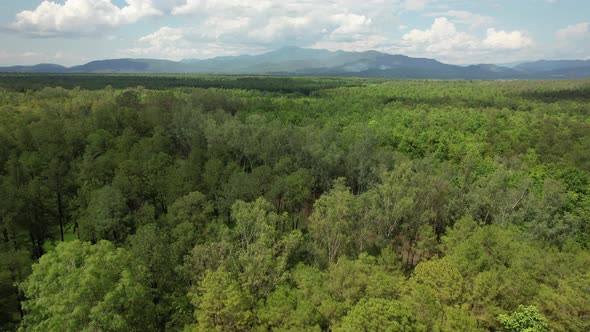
294,204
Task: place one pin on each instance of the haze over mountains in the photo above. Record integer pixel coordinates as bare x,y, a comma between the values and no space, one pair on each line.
317,62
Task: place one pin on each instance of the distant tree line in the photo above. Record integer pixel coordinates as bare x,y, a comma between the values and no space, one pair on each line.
21,82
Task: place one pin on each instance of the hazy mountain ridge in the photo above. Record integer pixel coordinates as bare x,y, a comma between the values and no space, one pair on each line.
550,65
304,61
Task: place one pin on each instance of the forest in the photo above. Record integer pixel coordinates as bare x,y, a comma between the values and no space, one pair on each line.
197,203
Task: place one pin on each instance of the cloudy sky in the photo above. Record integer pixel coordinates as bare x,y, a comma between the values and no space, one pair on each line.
73,32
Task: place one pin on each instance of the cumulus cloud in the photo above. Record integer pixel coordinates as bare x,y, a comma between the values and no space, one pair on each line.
198,7
572,41
182,43
227,27
190,7
272,20
574,32
296,22
234,27
442,38
263,25
230,36
445,42
507,40
81,17
464,17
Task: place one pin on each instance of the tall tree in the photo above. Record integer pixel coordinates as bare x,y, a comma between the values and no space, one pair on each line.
333,219
85,287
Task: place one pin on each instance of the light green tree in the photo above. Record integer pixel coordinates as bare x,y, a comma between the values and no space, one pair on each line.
524,319
332,221
221,304
83,287
380,315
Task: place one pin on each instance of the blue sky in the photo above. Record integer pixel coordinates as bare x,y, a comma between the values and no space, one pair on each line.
73,32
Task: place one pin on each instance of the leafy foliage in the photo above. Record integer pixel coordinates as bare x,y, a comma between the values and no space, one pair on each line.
524,319
294,204
80,286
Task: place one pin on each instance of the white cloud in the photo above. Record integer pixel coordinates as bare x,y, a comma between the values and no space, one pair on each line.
248,7
235,24
572,42
264,25
350,23
230,36
196,7
465,17
445,42
228,27
507,40
163,36
442,38
182,43
297,22
232,27
574,32
170,41
81,17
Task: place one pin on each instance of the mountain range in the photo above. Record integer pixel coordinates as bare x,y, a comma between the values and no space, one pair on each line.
317,62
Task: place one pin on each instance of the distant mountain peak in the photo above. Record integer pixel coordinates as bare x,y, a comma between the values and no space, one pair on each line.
289,48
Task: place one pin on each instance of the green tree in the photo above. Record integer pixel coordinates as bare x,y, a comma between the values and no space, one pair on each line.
286,309
380,315
189,218
221,304
105,217
332,221
524,319
262,251
84,287
436,285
